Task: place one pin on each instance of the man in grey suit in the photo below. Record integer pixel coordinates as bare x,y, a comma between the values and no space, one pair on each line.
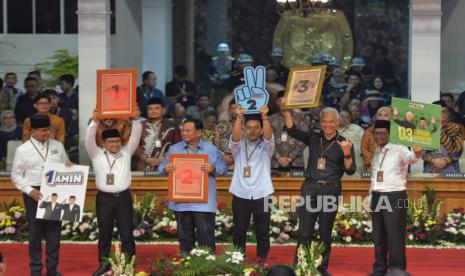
71,211
52,208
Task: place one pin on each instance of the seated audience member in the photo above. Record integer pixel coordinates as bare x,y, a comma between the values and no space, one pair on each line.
273,87
335,88
9,130
223,134
179,114
9,93
38,76
352,132
451,148
70,96
57,125
448,99
377,83
148,90
199,110
356,113
158,134
277,57
209,126
180,89
371,105
138,115
368,144
288,153
25,103
355,89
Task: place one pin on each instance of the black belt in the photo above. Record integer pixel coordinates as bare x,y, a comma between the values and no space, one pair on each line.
323,183
114,194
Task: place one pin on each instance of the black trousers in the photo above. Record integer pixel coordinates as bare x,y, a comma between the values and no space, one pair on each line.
195,224
111,208
38,230
389,230
310,212
243,209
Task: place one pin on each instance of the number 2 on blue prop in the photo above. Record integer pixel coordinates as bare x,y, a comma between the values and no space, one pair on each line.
252,95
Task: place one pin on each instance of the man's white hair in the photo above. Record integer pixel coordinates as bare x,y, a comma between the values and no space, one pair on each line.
329,110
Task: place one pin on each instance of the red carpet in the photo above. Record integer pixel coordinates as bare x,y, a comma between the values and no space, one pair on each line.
78,259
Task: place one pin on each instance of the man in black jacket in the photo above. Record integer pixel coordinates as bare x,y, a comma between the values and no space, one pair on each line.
52,208
71,211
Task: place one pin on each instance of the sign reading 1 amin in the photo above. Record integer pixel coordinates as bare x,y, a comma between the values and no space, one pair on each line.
55,178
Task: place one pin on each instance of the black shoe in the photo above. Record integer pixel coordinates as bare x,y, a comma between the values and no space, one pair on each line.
102,270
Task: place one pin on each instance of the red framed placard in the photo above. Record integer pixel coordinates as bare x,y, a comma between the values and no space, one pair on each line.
116,93
188,183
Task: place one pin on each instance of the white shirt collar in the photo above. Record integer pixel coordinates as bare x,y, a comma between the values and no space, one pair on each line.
37,142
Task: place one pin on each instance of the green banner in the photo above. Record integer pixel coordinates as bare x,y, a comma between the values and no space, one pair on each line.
415,123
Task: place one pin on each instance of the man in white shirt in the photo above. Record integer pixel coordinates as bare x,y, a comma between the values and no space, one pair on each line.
112,167
26,174
251,183
389,199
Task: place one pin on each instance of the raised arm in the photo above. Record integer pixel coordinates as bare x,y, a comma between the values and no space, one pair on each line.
267,130
134,139
91,144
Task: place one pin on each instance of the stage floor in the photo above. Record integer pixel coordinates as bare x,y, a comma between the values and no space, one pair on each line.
81,259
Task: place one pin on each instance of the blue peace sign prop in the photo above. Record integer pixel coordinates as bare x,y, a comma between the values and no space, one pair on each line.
252,95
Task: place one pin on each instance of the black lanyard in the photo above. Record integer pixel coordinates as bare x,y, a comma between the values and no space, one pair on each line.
108,160
38,151
328,147
247,156
382,160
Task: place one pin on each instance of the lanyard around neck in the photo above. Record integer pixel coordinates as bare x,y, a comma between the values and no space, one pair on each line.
38,151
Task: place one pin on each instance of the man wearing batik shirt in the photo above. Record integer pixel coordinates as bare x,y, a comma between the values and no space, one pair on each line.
223,133
288,152
158,134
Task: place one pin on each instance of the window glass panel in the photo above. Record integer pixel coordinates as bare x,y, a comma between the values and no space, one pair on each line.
48,16
71,18
19,16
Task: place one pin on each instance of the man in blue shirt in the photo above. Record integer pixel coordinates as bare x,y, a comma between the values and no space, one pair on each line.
147,91
196,219
251,183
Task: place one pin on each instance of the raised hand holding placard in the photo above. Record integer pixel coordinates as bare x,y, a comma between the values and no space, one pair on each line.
252,95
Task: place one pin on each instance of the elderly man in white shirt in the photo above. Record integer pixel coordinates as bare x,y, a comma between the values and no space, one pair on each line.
352,132
112,167
389,199
26,174
251,183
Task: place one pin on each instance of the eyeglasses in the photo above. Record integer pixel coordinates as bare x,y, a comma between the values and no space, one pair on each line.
381,133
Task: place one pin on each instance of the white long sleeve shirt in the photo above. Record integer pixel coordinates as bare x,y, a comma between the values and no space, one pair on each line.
395,168
28,164
122,167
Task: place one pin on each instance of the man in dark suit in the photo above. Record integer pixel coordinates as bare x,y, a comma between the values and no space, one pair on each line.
52,208
71,211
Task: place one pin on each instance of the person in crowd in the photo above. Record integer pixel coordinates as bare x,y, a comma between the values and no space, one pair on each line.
138,114
335,88
223,134
288,151
356,114
333,64
251,183
57,125
354,90
112,167
273,87
26,174
25,103
181,90
368,144
70,97
158,134
277,57
196,221
352,132
148,90
459,105
371,104
9,130
209,123
448,99
314,116
179,114
199,110
9,93
408,121
357,65
377,83
330,156
38,76
220,72
390,165
446,160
